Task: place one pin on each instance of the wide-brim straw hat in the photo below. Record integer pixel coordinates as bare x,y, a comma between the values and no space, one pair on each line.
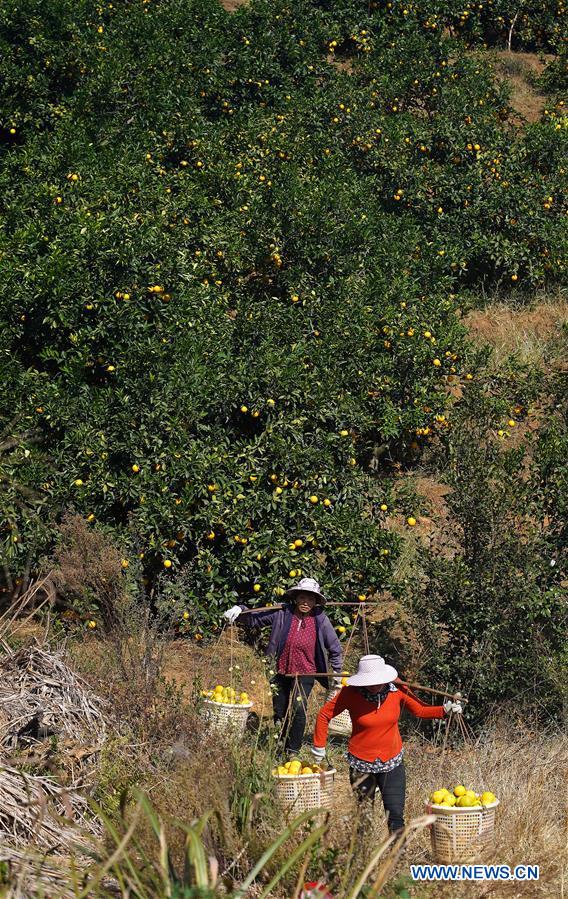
307,585
372,670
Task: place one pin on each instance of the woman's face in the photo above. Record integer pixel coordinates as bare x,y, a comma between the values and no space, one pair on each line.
305,602
375,688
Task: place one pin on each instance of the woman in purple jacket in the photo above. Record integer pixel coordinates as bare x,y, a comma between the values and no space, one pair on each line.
303,642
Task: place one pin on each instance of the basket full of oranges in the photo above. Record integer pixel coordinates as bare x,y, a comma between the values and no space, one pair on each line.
301,786
464,823
226,708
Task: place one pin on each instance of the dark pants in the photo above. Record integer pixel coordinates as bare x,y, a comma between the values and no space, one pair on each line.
290,712
392,786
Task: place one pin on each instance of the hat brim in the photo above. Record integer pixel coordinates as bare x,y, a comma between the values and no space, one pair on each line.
383,675
290,593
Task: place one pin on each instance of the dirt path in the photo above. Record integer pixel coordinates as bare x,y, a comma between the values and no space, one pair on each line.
519,70
524,330
205,667
232,5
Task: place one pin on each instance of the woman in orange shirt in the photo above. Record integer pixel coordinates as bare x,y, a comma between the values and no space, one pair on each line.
375,752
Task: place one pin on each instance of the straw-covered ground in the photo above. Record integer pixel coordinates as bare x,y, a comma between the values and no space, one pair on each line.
526,767
153,740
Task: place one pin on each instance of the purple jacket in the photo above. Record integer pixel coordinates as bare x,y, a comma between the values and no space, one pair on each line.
327,642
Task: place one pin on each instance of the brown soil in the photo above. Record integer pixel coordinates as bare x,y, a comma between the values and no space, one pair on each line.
435,494
343,65
437,527
232,5
209,665
184,664
516,69
536,336
511,330
501,324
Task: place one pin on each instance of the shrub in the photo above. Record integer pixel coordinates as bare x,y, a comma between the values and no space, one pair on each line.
219,262
492,612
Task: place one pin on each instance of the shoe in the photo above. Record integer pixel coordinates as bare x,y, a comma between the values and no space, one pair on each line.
290,756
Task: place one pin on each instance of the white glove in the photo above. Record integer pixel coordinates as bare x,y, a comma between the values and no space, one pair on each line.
450,706
232,614
337,682
318,753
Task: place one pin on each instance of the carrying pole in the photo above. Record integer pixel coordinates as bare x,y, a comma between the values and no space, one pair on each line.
398,683
279,605
455,696
314,674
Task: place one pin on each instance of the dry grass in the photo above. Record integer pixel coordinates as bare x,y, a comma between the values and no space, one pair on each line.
534,334
39,691
232,5
518,70
186,773
527,771
184,664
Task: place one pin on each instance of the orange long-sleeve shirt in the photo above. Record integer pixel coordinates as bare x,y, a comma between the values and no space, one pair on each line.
375,732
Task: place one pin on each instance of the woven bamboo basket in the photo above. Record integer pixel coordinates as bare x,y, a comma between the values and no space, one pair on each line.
461,834
302,792
340,726
226,716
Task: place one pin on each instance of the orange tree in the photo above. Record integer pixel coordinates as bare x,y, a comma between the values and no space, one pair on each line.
231,279
527,25
493,610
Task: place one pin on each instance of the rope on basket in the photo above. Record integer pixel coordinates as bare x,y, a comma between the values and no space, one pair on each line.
359,615
231,654
213,651
364,629
462,727
287,720
216,646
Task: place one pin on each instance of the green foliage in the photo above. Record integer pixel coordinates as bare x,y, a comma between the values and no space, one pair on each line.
141,860
115,776
495,610
526,25
146,871
554,79
202,215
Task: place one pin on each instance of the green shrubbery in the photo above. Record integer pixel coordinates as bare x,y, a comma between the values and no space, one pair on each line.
219,252
490,606
554,79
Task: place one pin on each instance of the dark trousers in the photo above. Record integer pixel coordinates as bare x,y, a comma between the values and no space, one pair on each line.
392,786
290,702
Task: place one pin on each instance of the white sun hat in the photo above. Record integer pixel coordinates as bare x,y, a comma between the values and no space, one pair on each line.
372,670
307,585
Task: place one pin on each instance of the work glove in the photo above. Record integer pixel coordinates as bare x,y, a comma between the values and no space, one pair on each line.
450,706
232,614
335,688
318,753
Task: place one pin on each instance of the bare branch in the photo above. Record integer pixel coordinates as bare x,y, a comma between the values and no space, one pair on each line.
515,17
